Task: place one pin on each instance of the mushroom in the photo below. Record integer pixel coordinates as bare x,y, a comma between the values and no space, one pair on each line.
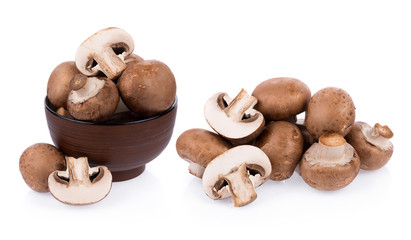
198,147
92,99
148,88
58,85
281,98
330,110
236,172
37,162
372,144
330,164
234,119
105,51
80,184
283,143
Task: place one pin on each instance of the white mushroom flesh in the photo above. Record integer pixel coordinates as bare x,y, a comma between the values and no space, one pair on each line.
89,90
195,169
374,138
324,155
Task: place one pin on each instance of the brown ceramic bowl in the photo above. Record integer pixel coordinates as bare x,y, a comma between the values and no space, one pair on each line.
124,148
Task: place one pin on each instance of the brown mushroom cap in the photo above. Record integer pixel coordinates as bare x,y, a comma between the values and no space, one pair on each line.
200,146
148,88
371,155
95,108
58,86
330,167
330,110
132,59
37,162
281,98
282,142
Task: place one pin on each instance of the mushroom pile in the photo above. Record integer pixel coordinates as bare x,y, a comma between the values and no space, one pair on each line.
258,137
106,83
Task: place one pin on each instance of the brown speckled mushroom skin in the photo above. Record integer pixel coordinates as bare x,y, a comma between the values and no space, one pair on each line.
282,142
37,162
372,158
98,108
281,98
201,146
330,110
332,177
147,88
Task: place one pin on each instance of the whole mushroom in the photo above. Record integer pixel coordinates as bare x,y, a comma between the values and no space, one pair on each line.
234,119
37,162
372,144
58,85
330,164
92,99
199,147
283,143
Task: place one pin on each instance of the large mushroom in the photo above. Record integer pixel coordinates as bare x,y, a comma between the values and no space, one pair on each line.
281,98
105,51
372,144
330,164
92,99
80,184
199,147
236,173
283,143
58,85
234,119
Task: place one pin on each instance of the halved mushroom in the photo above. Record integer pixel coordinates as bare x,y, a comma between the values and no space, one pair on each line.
372,144
92,99
234,119
236,172
330,164
199,147
80,184
105,51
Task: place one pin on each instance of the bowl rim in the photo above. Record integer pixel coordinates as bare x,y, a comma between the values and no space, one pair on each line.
173,106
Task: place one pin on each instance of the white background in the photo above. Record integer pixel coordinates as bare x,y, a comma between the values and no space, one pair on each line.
363,47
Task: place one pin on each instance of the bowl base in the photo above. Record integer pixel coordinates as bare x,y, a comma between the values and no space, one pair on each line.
128,174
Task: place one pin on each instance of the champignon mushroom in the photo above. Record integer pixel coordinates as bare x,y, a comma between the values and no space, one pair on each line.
281,98
330,110
37,162
148,88
58,85
330,164
80,184
372,144
237,172
234,119
105,51
283,143
199,147
92,99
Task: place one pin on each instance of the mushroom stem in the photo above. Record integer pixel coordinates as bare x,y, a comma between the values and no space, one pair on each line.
378,136
110,64
241,188
331,147
383,131
241,103
78,171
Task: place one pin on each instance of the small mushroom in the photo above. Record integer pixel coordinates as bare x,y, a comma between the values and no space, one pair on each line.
92,99
330,164
330,110
199,147
58,85
234,119
148,88
80,184
105,51
236,172
281,98
372,144
283,143
37,162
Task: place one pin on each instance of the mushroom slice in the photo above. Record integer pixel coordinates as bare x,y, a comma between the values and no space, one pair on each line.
80,184
105,51
234,119
372,144
236,172
330,164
